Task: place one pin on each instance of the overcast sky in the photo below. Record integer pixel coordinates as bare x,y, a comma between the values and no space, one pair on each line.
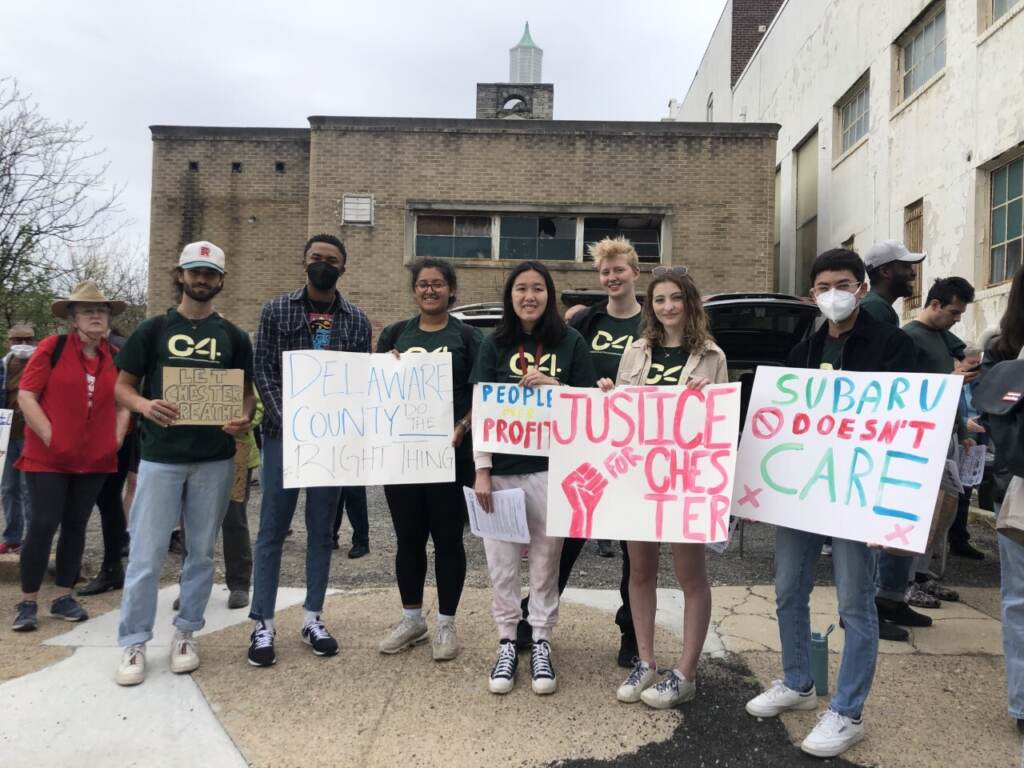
119,66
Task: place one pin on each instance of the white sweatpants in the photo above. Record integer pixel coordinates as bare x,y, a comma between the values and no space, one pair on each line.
503,559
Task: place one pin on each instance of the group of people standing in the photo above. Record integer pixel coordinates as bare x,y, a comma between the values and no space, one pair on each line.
77,396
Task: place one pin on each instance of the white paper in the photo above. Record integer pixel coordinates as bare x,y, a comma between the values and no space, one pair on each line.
6,419
972,465
357,419
506,521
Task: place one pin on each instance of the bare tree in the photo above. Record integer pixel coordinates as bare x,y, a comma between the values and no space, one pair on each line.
119,268
52,196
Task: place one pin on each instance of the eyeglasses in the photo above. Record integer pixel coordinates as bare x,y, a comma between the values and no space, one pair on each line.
677,271
437,285
847,286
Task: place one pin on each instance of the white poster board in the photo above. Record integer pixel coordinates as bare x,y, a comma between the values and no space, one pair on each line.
643,463
6,420
854,455
509,418
356,419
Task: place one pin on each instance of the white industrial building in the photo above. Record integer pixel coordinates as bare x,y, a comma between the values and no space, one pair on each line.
900,119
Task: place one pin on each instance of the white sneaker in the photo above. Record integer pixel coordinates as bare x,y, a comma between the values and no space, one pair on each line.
503,675
445,645
132,669
673,690
407,633
184,653
833,735
640,679
778,698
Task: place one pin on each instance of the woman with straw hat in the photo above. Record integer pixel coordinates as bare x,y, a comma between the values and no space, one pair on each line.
73,432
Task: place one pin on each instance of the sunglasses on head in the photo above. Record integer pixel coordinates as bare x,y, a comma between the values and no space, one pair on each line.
677,271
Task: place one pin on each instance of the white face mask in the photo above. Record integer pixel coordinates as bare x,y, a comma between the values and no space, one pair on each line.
836,305
23,351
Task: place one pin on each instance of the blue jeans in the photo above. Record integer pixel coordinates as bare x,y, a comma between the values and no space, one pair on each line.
14,490
853,564
276,514
197,494
894,573
1011,567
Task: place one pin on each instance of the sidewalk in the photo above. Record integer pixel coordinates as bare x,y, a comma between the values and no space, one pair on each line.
932,699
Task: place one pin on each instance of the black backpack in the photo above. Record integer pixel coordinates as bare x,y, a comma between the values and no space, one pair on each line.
1000,396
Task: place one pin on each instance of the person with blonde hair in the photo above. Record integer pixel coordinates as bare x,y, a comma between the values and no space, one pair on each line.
608,327
674,349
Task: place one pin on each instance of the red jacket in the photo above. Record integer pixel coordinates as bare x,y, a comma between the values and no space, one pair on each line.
84,439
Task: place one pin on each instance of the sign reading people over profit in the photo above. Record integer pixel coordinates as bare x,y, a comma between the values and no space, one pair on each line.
508,418
853,455
643,463
204,396
6,419
357,419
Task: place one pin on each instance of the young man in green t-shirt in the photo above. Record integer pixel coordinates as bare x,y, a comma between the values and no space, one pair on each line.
890,268
186,472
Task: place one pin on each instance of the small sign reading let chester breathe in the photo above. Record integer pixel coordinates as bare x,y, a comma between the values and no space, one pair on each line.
204,396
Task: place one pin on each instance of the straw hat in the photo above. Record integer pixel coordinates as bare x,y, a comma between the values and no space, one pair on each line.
86,292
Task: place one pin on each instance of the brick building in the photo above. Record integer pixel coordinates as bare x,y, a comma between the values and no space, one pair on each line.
484,192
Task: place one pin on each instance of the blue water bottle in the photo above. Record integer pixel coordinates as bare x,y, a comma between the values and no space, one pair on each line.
819,660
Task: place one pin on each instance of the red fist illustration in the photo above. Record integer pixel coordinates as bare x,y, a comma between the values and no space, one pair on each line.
583,487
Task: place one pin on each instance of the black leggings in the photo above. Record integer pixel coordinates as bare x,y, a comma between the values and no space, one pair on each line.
111,506
64,501
436,510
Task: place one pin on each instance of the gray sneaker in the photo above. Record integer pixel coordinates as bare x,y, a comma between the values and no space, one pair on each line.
25,618
238,598
446,642
673,690
68,608
406,634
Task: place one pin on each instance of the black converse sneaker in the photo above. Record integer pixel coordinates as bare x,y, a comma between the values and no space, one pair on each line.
261,646
541,669
316,636
503,676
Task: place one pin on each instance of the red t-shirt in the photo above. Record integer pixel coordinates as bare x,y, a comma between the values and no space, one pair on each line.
83,423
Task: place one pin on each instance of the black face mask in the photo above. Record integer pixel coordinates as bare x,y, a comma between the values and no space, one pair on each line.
322,275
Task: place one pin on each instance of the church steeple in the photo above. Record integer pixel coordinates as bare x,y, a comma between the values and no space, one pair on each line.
525,60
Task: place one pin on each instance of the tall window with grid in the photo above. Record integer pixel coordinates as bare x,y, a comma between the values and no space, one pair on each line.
923,50
1007,220
854,116
913,238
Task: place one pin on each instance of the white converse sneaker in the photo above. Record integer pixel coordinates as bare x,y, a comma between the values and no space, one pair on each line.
132,669
673,690
407,633
503,675
640,679
445,645
833,735
778,698
184,653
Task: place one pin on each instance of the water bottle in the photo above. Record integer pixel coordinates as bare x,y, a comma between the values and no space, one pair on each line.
819,660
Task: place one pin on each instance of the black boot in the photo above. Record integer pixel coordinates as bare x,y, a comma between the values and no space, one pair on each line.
109,578
628,652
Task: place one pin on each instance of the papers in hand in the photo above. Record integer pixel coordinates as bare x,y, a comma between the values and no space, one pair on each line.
506,521
971,465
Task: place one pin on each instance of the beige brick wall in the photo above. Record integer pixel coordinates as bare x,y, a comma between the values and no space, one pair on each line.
715,180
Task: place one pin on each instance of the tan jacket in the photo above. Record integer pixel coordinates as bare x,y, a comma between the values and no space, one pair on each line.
708,363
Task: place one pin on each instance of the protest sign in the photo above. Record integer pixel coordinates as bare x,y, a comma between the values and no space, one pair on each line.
853,455
6,419
643,463
508,418
358,419
204,396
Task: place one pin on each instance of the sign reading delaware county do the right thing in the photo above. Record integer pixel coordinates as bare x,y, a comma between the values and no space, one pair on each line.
356,419
853,455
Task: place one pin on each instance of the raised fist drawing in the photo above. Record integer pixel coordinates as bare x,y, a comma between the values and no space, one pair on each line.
583,487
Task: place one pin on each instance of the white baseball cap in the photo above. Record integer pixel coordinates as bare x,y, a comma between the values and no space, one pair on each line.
888,251
202,254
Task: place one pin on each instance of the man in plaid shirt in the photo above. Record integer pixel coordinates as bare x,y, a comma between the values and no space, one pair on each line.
315,316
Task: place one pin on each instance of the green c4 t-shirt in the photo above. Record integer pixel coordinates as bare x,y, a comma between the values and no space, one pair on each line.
406,336
569,362
933,351
212,342
880,309
611,336
667,364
